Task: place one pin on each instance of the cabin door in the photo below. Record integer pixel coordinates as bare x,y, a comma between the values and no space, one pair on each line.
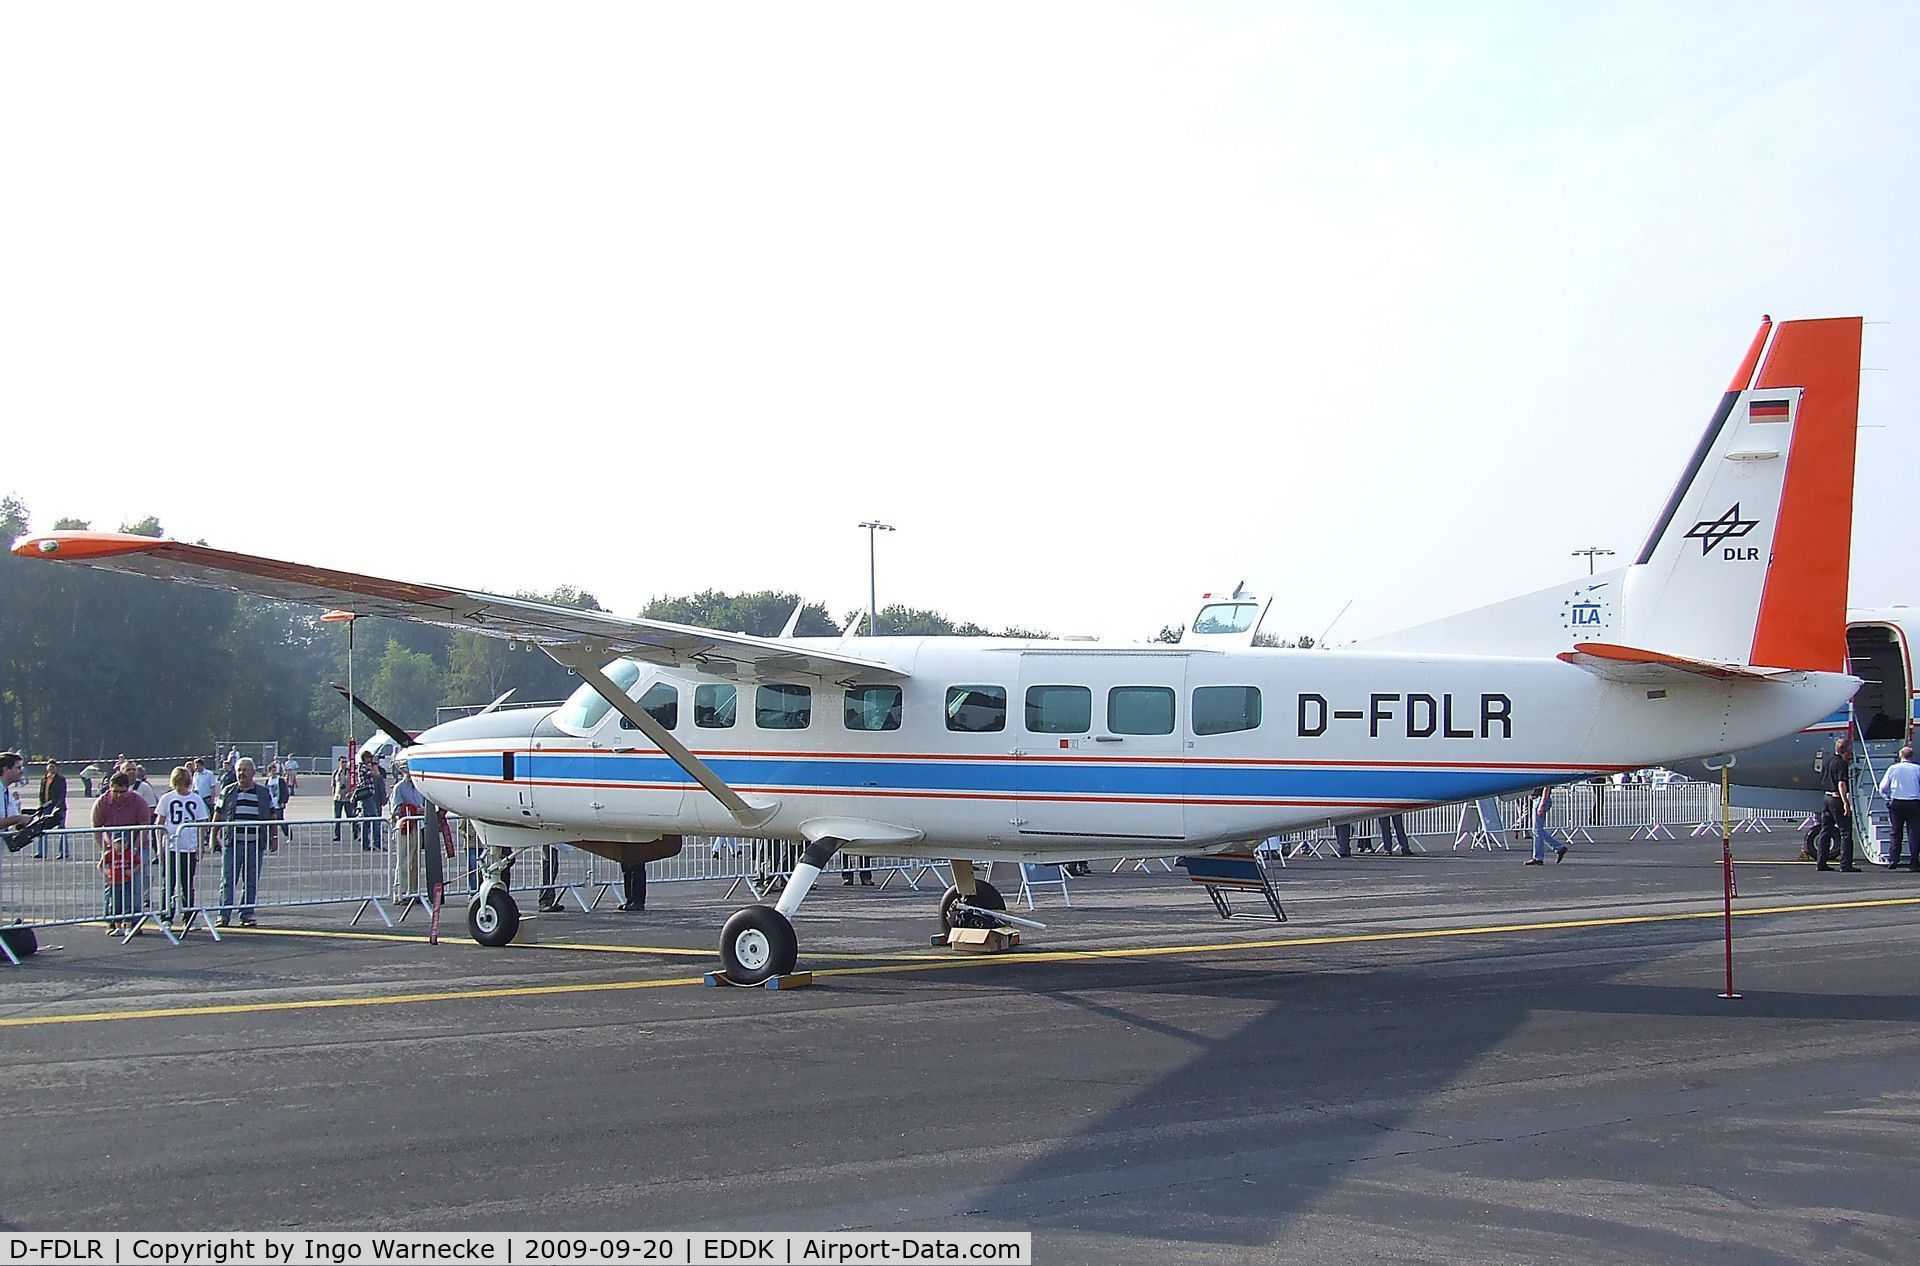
1098,745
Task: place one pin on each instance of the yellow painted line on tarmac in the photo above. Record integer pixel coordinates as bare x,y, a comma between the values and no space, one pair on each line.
1365,938
589,947
319,1004
939,964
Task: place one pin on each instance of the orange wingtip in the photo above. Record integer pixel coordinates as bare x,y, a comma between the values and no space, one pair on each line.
80,546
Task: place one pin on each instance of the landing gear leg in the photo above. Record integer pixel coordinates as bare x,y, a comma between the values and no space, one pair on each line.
493,916
968,890
758,942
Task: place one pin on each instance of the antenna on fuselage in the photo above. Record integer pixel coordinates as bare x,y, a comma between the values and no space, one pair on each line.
1330,623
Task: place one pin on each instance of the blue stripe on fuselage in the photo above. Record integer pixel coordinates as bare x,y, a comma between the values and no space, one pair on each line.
1015,778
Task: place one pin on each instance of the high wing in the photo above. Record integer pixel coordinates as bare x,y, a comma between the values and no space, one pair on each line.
731,655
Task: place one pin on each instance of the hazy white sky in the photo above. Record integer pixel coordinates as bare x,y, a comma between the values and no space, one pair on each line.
1102,304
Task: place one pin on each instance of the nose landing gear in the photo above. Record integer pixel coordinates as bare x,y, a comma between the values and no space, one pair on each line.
493,916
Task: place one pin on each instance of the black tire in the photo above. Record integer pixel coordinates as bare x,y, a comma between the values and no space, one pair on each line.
757,944
21,940
498,923
985,896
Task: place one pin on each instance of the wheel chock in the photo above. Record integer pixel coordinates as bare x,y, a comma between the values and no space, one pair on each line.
793,980
981,940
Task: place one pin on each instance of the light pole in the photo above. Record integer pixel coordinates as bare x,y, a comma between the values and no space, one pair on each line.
349,617
873,526
1590,551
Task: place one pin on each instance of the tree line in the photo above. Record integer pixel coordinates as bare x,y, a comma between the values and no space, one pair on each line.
93,663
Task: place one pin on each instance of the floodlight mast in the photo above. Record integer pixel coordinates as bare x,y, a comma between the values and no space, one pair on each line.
1591,552
873,527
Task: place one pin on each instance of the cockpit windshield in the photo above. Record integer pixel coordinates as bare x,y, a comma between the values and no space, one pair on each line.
585,709
1226,617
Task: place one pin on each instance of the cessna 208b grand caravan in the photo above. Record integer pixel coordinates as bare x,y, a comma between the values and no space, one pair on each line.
1727,631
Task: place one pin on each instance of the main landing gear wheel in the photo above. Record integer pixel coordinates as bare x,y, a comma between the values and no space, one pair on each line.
758,944
494,921
985,896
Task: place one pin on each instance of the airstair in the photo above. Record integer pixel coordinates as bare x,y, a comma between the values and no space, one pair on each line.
1872,824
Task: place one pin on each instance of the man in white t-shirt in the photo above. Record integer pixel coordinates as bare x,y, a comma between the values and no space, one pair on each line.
181,814
13,767
205,784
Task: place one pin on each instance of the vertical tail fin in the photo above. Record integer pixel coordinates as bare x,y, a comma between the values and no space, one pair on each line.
1747,563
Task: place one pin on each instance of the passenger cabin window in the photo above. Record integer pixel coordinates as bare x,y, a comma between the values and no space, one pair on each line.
1059,709
714,707
976,709
1226,709
783,707
662,703
1226,617
1140,710
585,709
873,708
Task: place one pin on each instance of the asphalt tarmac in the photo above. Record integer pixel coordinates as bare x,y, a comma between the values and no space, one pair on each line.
1443,1058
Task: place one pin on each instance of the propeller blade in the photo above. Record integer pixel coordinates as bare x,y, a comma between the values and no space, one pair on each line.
397,733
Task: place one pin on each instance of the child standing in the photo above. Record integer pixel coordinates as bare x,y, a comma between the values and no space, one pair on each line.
181,813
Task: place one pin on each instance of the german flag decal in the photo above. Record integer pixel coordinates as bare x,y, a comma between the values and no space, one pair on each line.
1767,411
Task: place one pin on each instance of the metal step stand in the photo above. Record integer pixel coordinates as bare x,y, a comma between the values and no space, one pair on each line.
1223,873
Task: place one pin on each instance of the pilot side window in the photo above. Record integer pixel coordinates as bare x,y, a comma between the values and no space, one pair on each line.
1059,709
1140,710
1226,709
873,708
976,709
714,707
783,707
585,709
662,703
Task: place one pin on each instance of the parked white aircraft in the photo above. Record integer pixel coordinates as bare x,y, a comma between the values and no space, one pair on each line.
1728,630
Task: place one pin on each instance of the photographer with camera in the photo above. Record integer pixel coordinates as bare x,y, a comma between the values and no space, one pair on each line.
13,767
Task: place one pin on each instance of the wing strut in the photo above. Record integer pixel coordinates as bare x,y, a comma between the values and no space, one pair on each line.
586,663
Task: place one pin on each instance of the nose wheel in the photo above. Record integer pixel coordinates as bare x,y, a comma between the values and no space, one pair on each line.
758,944
493,919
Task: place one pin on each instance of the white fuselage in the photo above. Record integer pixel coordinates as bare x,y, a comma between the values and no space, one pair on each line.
1148,750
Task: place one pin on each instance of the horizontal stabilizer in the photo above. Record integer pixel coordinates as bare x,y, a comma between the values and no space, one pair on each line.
1630,663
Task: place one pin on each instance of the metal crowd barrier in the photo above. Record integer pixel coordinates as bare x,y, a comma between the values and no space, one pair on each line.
1646,810
61,879
353,861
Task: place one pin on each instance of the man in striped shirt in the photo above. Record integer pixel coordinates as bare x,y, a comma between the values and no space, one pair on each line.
244,816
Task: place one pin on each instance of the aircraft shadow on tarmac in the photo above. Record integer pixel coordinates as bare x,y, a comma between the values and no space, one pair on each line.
1332,1071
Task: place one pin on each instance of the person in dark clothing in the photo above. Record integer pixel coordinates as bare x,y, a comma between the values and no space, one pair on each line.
370,795
1837,816
53,791
244,826
550,890
633,877
1394,824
